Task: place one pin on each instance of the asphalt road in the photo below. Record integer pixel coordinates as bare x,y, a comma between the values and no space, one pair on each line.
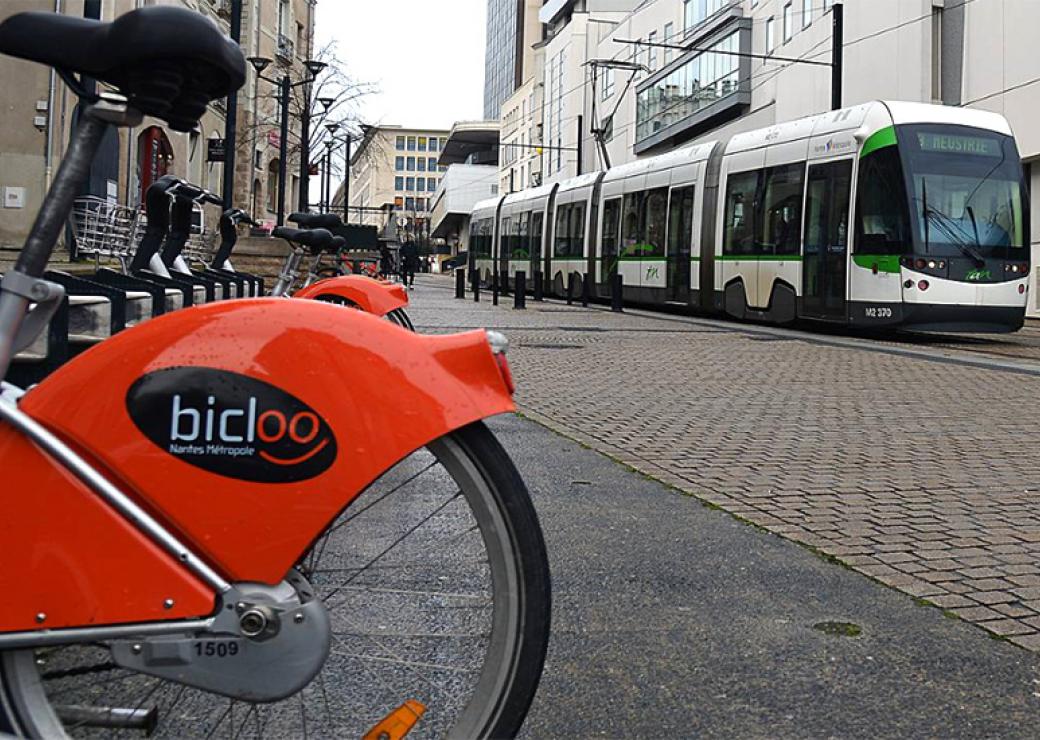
675,619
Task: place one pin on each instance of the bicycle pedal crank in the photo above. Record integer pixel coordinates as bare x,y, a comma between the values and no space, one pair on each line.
265,645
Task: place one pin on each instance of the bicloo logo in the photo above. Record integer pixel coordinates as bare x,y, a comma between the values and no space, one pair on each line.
231,425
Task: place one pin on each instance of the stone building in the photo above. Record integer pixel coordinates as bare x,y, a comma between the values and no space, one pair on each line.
37,112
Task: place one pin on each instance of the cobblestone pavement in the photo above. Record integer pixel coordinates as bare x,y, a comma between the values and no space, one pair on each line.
916,469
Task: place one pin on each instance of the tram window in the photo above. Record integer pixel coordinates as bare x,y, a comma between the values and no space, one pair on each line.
631,226
782,210
739,237
521,247
506,237
577,240
827,207
882,221
562,231
654,228
680,222
611,216
537,220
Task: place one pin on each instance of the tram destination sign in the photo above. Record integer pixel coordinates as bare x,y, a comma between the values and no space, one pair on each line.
979,146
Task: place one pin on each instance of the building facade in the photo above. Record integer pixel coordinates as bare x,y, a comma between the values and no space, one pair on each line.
393,176
38,112
513,32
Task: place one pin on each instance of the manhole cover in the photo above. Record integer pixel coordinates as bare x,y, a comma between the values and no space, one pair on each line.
839,629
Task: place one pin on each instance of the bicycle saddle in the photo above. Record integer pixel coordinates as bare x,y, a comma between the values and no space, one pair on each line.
315,239
316,220
169,62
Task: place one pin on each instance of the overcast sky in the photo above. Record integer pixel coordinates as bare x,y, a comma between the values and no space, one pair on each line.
425,58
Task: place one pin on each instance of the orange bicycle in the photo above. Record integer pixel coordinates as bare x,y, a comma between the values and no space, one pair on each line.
209,527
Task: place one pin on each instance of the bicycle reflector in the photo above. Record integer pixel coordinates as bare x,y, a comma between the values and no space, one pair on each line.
499,346
398,723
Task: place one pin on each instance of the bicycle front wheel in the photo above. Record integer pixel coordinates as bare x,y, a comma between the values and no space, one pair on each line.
437,585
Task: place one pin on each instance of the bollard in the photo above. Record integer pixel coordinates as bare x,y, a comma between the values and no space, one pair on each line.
520,293
617,286
585,291
476,285
494,287
460,283
538,285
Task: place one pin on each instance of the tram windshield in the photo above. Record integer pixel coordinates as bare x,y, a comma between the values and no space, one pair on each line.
967,191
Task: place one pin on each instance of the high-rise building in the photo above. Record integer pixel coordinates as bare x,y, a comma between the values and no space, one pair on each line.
512,29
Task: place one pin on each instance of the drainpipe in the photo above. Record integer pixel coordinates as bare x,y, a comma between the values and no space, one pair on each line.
48,168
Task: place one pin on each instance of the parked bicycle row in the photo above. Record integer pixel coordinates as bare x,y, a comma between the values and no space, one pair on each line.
161,268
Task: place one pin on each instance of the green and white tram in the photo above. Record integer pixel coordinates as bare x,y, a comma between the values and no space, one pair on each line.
881,215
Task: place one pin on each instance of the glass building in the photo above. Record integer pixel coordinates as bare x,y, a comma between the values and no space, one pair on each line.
501,63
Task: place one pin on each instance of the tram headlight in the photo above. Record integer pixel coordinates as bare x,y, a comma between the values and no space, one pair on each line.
921,264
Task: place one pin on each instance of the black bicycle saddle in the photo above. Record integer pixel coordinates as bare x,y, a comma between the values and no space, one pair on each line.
169,62
316,220
314,239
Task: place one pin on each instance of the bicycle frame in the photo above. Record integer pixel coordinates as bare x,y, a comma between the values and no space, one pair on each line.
224,441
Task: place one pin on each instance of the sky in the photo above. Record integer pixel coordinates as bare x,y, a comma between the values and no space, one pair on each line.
426,59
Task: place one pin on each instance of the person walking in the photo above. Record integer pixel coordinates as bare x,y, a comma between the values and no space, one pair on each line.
409,263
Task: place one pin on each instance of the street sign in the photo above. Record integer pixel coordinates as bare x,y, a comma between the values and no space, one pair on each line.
217,151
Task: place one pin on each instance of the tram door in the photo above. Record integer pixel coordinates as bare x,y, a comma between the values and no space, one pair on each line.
680,239
826,239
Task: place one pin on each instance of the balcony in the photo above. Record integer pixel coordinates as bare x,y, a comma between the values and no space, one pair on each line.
285,51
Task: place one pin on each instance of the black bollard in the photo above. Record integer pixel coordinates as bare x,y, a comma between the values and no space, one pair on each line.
585,291
538,285
476,285
494,287
617,286
460,283
520,293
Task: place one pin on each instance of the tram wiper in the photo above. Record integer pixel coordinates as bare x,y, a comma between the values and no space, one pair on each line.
954,233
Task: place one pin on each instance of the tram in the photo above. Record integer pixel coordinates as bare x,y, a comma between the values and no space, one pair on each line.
882,215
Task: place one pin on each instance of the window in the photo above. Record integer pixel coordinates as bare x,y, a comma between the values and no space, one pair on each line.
537,220
654,223
669,32
577,240
411,143
695,11
431,164
400,144
410,184
422,143
780,232
431,184
806,13
422,164
435,144
630,228
399,164
521,242
607,83
272,185
770,35
882,221
398,202
680,225
409,204
561,245
788,22
411,164
739,226
398,184
651,51
443,168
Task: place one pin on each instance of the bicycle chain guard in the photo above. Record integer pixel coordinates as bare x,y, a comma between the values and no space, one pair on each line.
265,645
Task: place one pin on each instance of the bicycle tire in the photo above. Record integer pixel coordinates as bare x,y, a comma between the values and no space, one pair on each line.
511,663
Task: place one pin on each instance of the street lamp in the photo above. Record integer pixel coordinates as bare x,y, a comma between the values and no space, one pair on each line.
332,128
285,87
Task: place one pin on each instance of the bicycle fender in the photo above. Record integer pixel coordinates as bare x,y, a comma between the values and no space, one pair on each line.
248,426
371,296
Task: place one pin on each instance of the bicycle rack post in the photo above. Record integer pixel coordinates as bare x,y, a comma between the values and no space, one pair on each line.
538,286
617,284
460,283
494,287
520,293
585,291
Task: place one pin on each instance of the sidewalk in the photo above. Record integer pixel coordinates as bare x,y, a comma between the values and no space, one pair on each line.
917,471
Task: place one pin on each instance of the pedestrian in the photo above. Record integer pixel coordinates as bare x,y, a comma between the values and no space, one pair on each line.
384,260
409,263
